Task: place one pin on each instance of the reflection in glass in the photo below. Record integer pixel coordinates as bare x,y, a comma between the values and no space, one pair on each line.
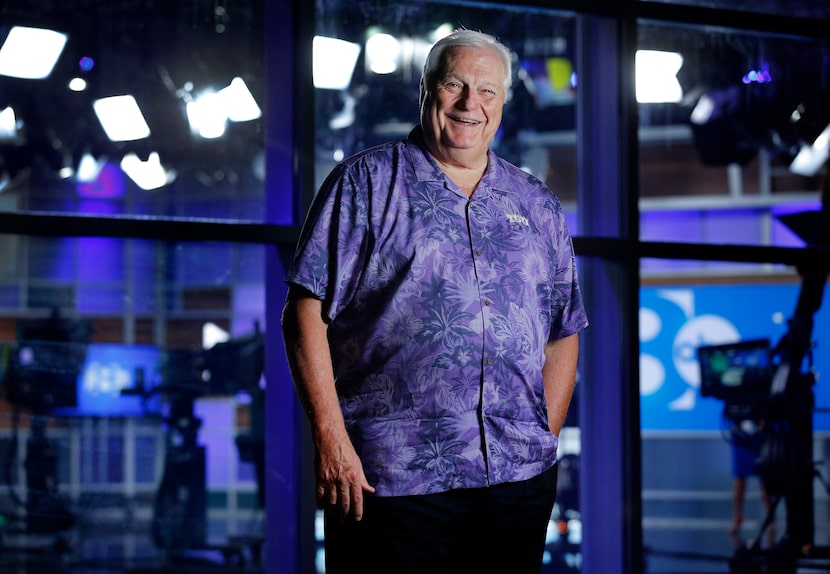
378,101
61,140
717,166
758,317
132,380
30,53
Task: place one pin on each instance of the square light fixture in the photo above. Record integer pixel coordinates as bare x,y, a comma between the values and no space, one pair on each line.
30,53
333,62
121,118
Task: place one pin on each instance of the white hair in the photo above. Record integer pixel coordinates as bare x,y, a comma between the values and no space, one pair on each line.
464,38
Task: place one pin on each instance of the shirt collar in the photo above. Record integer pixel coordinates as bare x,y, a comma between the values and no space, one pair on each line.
424,165
426,168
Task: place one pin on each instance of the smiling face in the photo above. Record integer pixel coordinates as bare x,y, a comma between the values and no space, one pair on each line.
462,108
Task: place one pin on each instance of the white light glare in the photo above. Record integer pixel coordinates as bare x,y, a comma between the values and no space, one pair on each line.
441,31
811,158
333,62
383,53
239,102
30,53
213,334
77,84
210,112
89,168
8,124
121,118
207,115
147,174
656,76
703,110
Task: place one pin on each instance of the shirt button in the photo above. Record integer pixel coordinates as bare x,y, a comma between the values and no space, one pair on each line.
487,302
478,252
489,361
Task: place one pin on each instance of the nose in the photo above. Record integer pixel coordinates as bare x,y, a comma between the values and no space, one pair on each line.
468,98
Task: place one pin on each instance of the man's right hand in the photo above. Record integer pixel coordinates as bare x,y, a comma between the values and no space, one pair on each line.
339,472
341,483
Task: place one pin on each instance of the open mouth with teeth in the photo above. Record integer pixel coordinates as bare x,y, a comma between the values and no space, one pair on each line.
466,121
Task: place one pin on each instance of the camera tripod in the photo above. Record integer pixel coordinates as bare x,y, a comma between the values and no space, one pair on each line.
786,463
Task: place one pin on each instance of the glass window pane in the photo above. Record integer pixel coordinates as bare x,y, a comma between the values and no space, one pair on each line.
194,73
700,412
132,370
726,122
800,8
379,101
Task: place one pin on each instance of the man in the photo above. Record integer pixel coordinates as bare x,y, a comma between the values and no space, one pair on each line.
431,326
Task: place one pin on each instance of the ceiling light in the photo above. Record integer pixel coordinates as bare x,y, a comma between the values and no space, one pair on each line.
89,168
148,174
8,124
207,115
121,118
383,53
811,158
77,84
656,77
30,53
333,62
239,102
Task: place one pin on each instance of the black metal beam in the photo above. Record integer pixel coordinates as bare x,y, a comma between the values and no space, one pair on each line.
618,248
137,227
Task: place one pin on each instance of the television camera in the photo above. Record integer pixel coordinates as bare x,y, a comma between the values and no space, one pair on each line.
45,376
41,375
759,382
235,366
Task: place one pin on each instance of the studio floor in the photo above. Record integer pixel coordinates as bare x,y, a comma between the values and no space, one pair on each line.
128,548
708,547
670,547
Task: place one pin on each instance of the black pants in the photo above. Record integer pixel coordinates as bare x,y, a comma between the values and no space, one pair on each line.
482,530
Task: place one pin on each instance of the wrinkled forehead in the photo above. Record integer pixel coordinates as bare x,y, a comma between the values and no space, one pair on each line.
450,57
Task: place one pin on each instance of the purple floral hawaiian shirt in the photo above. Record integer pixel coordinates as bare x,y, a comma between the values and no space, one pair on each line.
440,307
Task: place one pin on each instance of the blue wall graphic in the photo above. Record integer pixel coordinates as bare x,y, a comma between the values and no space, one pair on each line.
674,321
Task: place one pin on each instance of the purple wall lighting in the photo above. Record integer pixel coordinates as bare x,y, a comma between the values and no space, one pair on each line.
100,275
670,226
722,226
783,235
737,226
108,185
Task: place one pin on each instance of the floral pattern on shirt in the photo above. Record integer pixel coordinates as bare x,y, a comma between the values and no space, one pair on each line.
440,307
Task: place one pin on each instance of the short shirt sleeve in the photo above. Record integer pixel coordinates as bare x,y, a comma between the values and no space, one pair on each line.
568,310
332,246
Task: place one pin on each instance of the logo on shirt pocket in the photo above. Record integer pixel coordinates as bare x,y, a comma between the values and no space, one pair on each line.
517,218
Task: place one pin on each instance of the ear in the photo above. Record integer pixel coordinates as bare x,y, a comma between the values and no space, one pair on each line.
423,95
